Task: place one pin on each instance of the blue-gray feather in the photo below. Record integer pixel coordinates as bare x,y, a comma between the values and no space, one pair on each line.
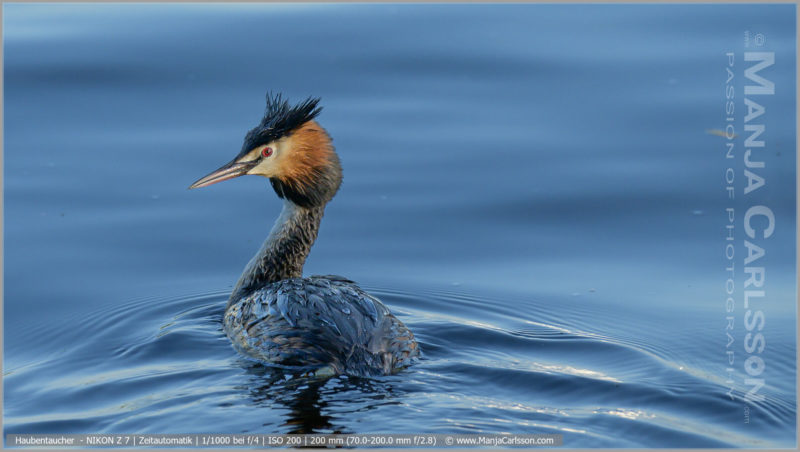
317,322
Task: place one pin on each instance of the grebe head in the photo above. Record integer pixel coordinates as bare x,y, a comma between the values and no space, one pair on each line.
290,149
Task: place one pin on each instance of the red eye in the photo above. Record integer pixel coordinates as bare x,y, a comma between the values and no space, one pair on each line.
266,152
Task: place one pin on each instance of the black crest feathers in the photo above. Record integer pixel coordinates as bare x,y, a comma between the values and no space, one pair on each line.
280,119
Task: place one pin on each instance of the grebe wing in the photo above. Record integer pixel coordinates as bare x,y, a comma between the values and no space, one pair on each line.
318,321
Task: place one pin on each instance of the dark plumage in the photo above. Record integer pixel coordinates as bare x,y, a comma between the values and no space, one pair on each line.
279,120
324,325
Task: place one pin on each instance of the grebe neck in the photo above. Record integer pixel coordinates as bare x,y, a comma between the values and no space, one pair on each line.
284,251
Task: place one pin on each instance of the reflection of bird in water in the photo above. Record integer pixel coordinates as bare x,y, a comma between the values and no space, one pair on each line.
316,405
302,401
326,325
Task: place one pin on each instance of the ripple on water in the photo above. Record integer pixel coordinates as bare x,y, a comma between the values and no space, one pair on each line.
165,365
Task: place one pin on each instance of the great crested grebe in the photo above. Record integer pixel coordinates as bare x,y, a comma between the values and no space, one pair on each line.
321,325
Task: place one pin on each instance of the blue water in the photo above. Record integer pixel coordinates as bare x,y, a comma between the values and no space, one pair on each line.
532,189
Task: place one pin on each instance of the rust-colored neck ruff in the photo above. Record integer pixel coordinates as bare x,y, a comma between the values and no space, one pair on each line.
309,174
